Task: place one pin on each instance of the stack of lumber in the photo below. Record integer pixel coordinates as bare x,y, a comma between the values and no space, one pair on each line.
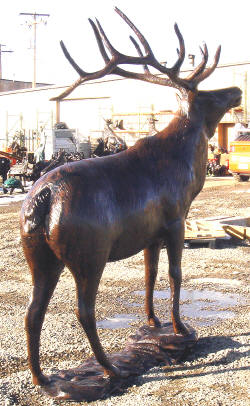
214,228
203,230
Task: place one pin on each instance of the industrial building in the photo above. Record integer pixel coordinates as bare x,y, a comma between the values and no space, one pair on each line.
27,114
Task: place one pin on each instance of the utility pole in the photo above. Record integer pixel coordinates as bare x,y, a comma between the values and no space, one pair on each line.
1,50
33,24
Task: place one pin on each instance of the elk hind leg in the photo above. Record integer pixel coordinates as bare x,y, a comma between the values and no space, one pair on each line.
86,296
45,269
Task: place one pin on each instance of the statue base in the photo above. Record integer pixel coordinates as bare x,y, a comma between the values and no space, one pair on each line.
146,349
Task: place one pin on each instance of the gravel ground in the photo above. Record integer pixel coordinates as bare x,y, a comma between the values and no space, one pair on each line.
214,301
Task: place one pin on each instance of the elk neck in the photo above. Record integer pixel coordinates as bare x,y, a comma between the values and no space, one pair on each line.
176,156
185,136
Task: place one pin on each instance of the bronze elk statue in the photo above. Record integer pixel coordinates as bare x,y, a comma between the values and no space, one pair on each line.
87,213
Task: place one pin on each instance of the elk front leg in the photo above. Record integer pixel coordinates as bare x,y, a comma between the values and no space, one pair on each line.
151,259
175,242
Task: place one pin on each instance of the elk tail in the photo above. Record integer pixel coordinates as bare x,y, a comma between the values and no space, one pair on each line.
34,212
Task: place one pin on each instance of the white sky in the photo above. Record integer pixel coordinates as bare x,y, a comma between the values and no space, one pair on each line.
214,21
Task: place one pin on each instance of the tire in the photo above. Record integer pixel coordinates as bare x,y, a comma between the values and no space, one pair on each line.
244,178
240,178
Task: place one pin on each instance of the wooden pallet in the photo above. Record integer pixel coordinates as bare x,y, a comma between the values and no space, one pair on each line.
203,230
241,232
215,228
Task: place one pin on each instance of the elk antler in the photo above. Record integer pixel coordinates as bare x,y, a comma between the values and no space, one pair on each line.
183,84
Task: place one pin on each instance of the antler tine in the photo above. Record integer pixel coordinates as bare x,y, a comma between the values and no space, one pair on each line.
71,60
117,70
141,37
149,58
137,47
108,44
99,42
181,52
110,63
102,48
201,67
211,69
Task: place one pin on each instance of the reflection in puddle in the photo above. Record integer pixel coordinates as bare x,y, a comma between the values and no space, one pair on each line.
194,311
204,307
198,295
220,281
118,321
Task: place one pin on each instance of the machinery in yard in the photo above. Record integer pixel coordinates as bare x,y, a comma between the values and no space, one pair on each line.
239,156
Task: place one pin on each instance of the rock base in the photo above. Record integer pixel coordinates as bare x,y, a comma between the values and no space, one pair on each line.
147,348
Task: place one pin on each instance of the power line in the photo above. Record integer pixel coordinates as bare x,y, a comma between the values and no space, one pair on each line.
33,24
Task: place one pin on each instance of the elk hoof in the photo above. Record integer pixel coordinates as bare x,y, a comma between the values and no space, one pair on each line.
154,322
115,372
41,380
181,329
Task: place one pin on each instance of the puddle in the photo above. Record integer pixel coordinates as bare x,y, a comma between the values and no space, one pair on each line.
200,307
118,321
6,199
201,295
203,307
242,191
17,196
133,304
219,281
204,316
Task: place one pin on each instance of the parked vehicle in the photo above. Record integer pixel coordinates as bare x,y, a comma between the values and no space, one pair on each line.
239,156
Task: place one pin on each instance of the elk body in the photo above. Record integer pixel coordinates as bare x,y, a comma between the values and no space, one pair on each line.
87,213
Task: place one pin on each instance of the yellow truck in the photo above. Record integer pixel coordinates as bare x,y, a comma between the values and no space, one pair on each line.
239,156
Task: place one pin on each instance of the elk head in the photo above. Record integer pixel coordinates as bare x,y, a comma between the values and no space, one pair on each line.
207,105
